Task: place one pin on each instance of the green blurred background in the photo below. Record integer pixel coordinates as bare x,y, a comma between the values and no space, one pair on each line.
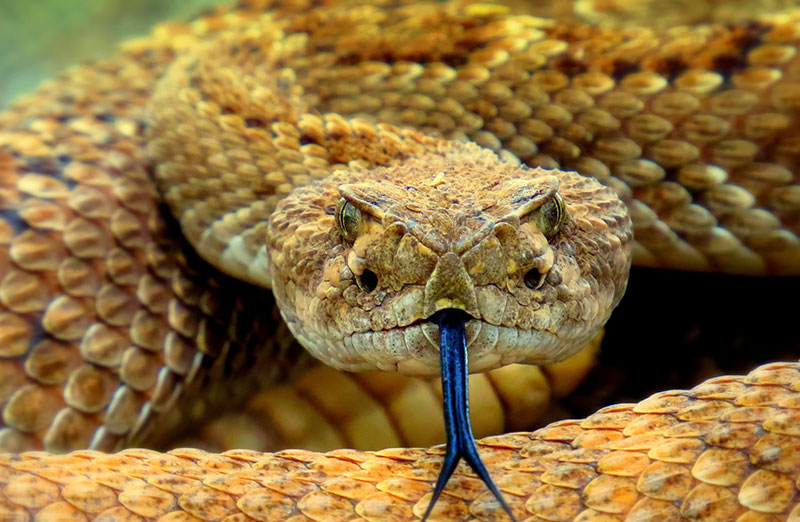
39,38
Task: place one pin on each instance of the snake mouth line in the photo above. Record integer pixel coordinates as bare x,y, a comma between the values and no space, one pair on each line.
413,349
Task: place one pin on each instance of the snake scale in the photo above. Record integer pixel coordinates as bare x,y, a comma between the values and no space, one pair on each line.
374,163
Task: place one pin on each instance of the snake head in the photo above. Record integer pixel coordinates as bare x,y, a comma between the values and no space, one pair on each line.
362,260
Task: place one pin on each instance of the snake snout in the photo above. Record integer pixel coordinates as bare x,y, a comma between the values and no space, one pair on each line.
450,287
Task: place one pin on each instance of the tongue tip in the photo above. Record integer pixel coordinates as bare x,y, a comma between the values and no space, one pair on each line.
455,399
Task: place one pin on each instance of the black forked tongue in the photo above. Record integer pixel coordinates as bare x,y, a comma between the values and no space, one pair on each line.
460,441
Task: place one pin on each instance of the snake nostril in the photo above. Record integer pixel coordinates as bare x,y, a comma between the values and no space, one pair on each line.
367,281
534,279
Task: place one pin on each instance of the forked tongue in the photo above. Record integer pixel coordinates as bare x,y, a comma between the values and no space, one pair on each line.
455,392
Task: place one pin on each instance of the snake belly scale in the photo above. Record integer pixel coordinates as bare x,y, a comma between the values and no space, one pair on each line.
151,201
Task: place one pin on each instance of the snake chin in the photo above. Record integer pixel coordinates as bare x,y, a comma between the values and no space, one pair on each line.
361,261
414,350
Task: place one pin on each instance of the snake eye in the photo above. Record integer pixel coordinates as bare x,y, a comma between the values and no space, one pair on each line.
550,216
349,219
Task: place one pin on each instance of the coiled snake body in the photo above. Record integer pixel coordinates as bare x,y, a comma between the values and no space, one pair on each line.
367,162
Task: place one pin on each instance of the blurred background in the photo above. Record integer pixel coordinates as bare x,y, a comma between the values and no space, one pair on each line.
38,39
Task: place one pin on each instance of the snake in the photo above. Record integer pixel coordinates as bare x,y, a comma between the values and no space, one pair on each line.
347,173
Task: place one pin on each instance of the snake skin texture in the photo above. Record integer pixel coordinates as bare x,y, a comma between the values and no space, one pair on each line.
111,323
726,450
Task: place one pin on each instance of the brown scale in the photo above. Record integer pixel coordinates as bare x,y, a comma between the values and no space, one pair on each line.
376,410
105,323
707,453
107,320
501,90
